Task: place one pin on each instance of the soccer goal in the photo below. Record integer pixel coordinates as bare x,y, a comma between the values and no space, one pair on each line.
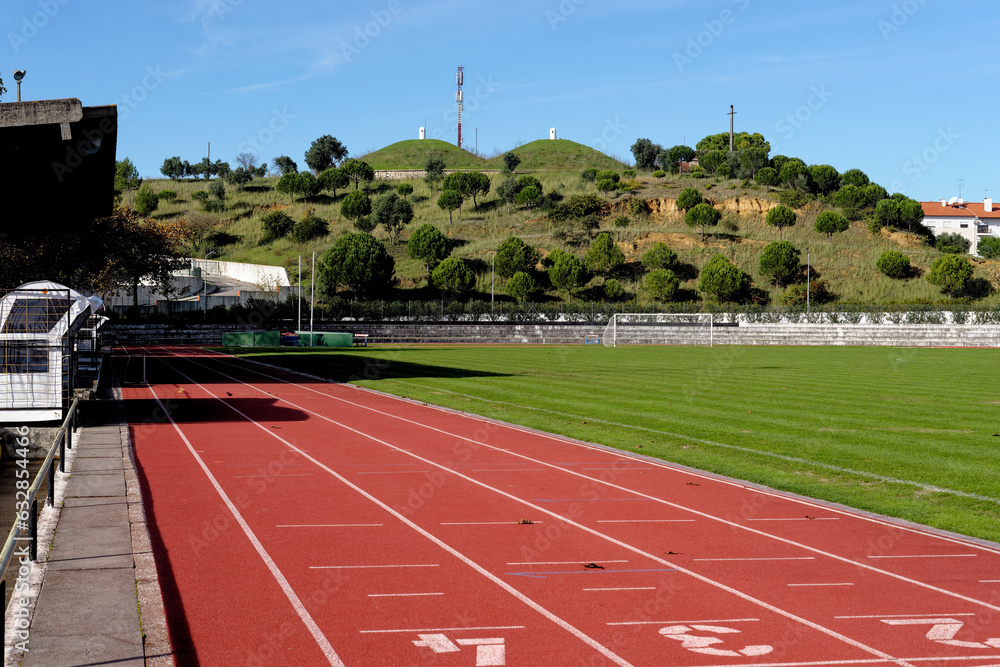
659,329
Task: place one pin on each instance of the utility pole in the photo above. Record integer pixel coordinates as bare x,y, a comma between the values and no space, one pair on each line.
460,98
731,114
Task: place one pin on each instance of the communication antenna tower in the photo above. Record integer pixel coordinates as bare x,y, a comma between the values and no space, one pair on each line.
460,100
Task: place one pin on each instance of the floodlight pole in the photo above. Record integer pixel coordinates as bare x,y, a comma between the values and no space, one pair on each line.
299,325
493,278
18,90
807,281
312,298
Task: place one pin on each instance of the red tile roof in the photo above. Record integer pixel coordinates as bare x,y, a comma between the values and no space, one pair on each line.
966,210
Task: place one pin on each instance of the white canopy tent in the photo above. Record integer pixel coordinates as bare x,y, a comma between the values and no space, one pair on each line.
38,325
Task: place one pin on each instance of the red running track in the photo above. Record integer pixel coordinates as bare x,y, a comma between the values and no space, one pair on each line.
296,521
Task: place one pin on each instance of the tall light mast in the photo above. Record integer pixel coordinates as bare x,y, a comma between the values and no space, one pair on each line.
460,100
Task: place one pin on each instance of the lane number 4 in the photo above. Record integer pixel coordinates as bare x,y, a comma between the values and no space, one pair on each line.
703,644
943,631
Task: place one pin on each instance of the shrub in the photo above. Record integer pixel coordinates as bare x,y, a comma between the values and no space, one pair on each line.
830,223
521,286
276,224
893,264
688,199
453,276
146,201
217,239
579,206
708,186
621,221
659,173
404,190
360,263
698,172
661,284
638,206
723,171
613,289
515,255
629,173
310,227
952,244
989,247
796,295
167,195
604,255
589,175
608,175
723,280
218,190
606,185
951,273
659,256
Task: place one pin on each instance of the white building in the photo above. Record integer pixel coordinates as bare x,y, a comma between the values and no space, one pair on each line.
967,219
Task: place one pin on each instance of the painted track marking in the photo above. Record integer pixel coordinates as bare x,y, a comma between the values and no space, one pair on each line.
569,562
648,521
364,567
929,556
724,620
579,634
330,525
597,646
401,595
307,620
633,588
843,584
410,630
905,615
748,558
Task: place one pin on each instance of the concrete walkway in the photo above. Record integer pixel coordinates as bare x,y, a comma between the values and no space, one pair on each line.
100,575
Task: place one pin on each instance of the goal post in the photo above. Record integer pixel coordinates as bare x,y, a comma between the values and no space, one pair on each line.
658,329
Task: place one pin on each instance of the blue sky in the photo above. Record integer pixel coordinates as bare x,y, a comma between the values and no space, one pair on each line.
906,90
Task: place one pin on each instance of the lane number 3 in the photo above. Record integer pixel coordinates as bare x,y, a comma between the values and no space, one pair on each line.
703,644
943,631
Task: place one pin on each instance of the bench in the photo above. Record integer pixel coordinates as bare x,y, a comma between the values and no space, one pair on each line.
360,340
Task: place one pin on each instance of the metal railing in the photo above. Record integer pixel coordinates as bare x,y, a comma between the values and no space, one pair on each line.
27,515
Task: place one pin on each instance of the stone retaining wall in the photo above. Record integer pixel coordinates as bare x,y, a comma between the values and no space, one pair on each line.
904,335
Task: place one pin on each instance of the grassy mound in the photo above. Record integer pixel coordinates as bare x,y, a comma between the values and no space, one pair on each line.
560,155
414,153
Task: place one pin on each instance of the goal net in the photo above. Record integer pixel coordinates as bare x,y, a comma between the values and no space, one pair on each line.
658,329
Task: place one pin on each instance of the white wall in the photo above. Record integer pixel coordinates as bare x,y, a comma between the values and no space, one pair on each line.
255,274
954,226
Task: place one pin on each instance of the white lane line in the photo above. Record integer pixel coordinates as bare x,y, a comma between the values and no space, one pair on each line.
989,581
490,523
401,595
364,567
304,474
636,588
723,620
286,588
647,521
578,633
518,470
929,556
411,630
801,518
730,559
569,562
907,615
393,472
329,525
844,584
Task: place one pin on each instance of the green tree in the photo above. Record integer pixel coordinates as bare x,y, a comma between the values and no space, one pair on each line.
521,286
507,192
659,256
333,179
528,181
645,153
449,201
779,261
661,284
688,199
309,228
173,168
613,290
791,171
830,223
392,213
951,273
356,206
606,185
515,255
768,177
285,165
529,197
893,264
510,162
712,160
852,199
568,273
324,153
217,190
458,181
752,160
358,171
127,178
434,168
952,244
604,256
288,184
358,262
240,177
826,178
855,177
702,215
989,247
146,201
670,159
723,280
781,217
276,225
479,185
453,276
404,190
428,245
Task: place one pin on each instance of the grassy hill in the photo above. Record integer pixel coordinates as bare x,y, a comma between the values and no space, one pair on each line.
846,262
414,153
560,155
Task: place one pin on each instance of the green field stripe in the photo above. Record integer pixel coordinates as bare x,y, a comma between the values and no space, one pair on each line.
757,452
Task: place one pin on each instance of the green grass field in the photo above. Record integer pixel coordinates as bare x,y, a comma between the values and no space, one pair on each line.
906,432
